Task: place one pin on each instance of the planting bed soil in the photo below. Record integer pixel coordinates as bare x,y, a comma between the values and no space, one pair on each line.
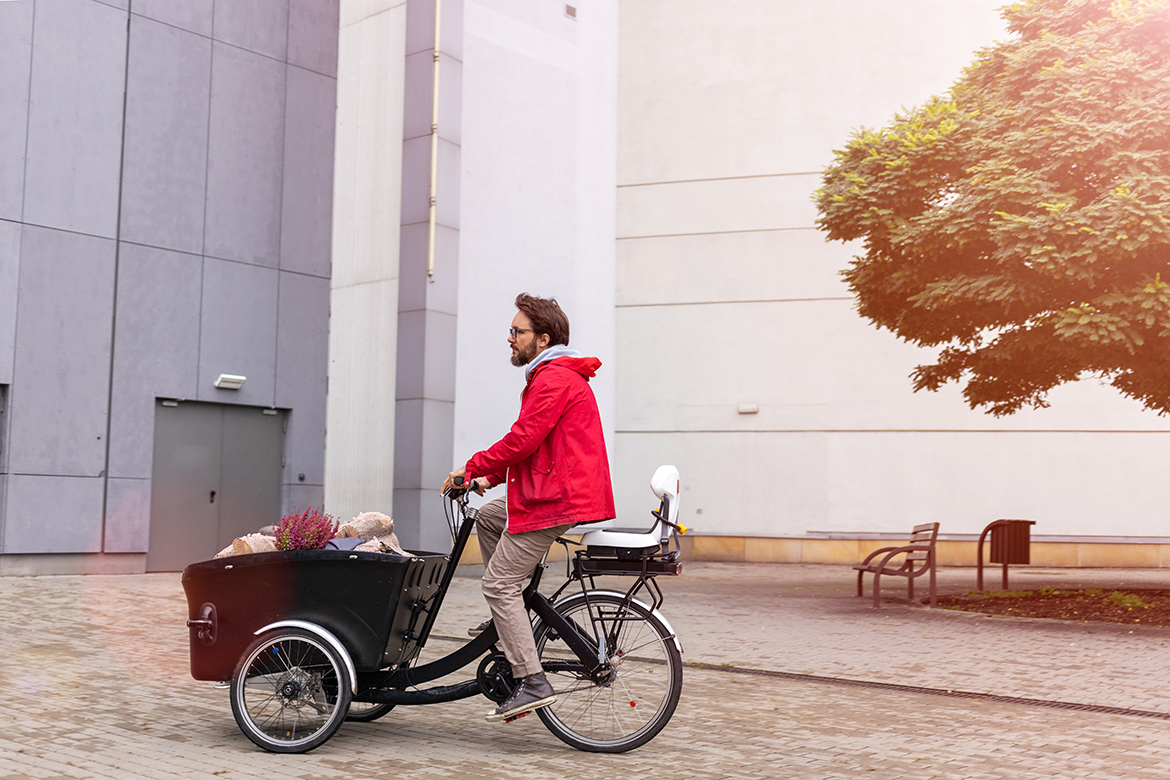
1147,607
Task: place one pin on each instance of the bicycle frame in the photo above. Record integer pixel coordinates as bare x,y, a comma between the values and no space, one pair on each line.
590,647
293,684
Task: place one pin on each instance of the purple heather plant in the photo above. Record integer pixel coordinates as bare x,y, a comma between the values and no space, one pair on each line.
308,530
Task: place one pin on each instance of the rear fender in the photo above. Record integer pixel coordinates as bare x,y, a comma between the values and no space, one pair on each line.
573,599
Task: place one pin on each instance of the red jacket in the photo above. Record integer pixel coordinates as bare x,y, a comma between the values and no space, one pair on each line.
554,458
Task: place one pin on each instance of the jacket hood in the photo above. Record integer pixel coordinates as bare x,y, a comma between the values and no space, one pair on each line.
565,357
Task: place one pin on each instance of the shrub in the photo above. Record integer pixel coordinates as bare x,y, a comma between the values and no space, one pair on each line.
308,530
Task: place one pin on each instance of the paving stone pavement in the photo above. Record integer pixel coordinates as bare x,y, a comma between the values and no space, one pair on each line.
96,672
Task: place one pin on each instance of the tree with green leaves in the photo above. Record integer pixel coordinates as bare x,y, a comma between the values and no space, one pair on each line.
1020,223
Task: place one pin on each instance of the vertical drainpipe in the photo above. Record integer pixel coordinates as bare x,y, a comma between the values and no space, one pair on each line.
434,147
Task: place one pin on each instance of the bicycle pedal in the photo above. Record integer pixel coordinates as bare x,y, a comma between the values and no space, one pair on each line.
516,717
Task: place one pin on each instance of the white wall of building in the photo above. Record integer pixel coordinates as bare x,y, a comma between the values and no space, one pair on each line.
727,295
363,323
539,129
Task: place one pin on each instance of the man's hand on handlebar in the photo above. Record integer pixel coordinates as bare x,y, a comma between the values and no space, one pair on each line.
479,484
450,484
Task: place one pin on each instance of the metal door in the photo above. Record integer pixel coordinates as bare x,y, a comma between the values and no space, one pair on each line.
216,475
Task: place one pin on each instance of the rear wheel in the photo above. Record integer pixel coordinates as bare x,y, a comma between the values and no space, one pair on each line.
290,692
634,700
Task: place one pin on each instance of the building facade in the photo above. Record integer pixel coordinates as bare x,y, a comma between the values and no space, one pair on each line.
522,128
165,218
338,200
740,355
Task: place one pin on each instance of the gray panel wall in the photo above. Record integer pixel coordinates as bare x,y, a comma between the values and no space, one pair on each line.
9,273
238,331
167,106
307,199
75,117
15,51
302,349
4,417
141,258
60,375
245,155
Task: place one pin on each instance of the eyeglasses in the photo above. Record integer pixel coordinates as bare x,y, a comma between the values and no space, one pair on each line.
514,332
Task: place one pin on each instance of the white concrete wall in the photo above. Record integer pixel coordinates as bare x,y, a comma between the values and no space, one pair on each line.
727,295
538,196
363,324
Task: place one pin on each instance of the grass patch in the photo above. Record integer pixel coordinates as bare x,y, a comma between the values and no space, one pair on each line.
1127,600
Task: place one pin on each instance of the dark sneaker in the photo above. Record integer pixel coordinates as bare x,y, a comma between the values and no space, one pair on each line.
479,629
532,693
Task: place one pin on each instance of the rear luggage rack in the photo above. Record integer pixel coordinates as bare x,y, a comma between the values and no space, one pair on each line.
649,562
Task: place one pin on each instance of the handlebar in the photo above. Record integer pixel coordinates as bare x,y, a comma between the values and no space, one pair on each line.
459,490
458,511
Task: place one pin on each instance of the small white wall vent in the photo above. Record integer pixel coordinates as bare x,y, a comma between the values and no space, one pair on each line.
230,381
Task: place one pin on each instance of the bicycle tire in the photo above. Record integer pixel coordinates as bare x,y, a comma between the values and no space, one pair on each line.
639,696
290,691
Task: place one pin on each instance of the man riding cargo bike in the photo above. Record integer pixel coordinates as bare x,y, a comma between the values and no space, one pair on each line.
298,636
554,464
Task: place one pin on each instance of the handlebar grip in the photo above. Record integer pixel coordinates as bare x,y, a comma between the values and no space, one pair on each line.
459,488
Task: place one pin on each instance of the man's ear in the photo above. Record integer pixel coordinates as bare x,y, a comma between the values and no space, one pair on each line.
542,341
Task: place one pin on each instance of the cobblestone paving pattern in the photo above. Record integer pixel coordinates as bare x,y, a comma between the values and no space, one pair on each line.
96,673
805,619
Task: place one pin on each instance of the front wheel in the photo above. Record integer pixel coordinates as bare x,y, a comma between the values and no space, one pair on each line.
290,692
367,712
634,700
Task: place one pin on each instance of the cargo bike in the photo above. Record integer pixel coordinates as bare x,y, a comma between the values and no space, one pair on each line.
306,639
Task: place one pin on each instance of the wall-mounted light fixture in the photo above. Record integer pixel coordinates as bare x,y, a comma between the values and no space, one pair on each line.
230,381
749,409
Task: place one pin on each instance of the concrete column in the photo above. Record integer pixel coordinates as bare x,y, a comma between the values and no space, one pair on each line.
363,330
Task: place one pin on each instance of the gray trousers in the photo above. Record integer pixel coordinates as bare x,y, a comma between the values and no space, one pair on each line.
509,559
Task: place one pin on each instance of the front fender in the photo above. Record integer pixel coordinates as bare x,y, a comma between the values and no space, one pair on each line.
327,636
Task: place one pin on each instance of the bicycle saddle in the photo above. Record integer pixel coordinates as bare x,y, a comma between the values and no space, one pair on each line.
665,484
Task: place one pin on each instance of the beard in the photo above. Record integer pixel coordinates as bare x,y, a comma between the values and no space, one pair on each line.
525,355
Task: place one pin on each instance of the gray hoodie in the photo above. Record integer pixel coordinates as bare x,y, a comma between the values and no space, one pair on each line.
552,353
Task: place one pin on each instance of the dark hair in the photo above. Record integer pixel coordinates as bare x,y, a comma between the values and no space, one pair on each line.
546,317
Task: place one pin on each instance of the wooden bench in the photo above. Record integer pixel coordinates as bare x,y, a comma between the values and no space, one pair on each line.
919,560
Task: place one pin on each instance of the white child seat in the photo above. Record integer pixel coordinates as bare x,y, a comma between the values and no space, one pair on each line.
665,484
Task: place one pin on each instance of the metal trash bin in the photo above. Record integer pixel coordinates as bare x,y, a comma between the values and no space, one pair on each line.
1011,542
